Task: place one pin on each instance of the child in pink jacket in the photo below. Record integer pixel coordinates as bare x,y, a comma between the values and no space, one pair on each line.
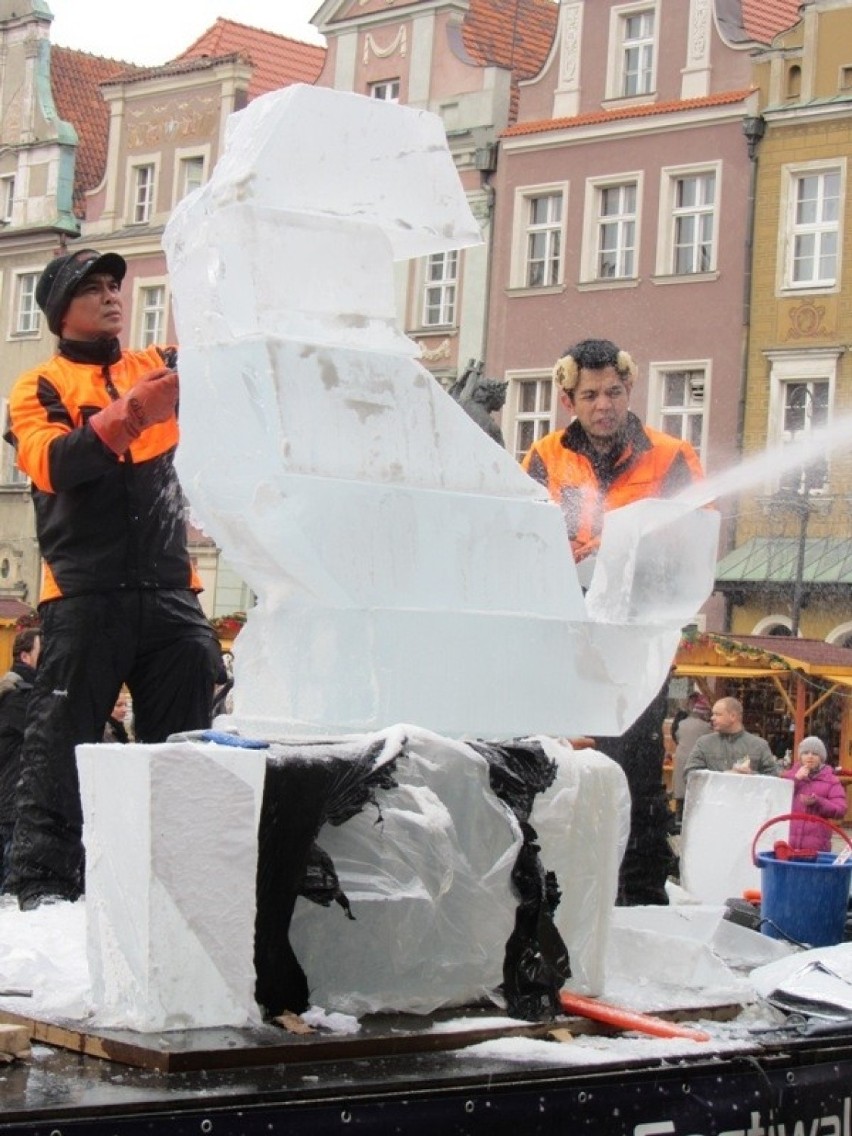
817,790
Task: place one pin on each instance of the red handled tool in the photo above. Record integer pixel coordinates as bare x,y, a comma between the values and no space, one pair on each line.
626,1019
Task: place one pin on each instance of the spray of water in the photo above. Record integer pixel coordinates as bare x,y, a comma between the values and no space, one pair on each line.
771,464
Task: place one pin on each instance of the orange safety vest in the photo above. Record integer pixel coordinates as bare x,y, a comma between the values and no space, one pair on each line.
650,464
103,522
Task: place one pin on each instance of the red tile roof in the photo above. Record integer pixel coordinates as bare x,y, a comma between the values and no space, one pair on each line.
277,60
515,34
594,118
14,609
764,19
75,77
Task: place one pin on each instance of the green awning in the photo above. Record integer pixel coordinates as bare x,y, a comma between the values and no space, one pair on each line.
772,560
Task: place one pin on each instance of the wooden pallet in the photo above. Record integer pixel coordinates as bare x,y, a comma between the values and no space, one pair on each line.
183,1050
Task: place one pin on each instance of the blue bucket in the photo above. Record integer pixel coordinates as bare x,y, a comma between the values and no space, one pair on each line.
804,900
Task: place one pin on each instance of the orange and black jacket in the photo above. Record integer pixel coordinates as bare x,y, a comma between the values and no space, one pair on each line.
586,484
103,522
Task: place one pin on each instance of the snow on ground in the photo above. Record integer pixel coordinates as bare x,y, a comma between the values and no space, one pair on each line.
44,951
706,958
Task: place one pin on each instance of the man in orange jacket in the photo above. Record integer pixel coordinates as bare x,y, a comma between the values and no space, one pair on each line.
95,428
605,459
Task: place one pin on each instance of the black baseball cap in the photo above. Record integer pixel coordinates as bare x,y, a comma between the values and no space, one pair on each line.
60,278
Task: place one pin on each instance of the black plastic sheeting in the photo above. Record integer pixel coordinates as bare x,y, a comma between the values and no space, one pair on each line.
310,784
306,786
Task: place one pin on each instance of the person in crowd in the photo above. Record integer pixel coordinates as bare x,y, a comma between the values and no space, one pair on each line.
115,730
222,695
15,689
730,748
683,712
95,428
818,792
695,725
604,459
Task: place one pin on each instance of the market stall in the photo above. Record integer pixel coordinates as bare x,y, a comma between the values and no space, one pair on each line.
789,688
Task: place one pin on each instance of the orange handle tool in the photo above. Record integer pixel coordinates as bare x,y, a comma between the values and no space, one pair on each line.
626,1019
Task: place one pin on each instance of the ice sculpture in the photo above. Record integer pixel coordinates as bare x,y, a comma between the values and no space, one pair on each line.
407,569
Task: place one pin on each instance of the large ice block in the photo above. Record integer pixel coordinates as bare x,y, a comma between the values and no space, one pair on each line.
171,858
722,814
429,880
406,568
583,821
653,563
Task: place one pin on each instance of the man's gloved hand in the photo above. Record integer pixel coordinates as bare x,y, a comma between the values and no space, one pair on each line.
152,399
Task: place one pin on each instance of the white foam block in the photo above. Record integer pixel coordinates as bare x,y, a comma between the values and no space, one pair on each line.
722,814
171,859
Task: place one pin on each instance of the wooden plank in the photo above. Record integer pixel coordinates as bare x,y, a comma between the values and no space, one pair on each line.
186,1050
385,1035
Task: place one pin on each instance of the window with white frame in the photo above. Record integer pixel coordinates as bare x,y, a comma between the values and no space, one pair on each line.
439,292
693,221
531,411
813,222
800,408
190,174
680,394
387,90
804,413
633,51
142,190
7,197
9,472
615,231
543,240
151,306
27,317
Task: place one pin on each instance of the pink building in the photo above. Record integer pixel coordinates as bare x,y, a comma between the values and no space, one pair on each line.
623,210
462,60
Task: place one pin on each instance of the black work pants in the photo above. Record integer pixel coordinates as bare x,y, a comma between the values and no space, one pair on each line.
161,645
648,859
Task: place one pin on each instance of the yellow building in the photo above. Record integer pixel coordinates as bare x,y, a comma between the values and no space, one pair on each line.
791,568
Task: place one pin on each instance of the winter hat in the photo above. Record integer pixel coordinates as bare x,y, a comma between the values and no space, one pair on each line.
701,706
60,278
812,745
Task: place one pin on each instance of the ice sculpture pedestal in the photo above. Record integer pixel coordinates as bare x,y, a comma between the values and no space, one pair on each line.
197,857
171,859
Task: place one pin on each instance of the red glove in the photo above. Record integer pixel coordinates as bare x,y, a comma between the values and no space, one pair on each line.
153,399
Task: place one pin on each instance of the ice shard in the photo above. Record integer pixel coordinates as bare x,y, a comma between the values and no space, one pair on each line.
406,568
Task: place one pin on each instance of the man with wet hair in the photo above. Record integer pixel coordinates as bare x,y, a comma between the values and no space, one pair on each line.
604,459
95,428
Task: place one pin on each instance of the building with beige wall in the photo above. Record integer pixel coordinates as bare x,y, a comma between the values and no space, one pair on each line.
791,567
96,152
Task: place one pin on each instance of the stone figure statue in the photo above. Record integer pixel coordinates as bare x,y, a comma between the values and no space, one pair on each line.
480,397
